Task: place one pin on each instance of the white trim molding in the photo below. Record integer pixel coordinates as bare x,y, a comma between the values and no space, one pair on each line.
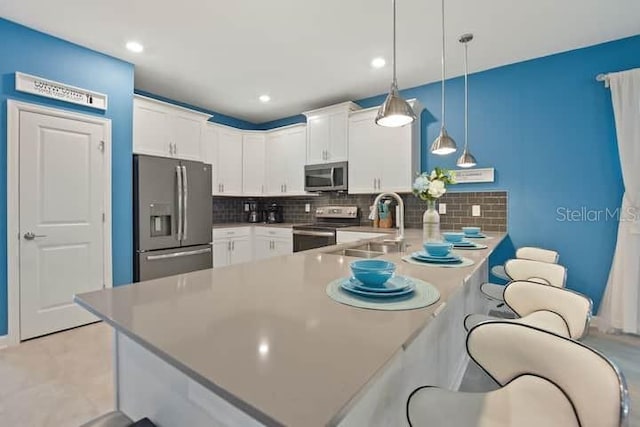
14,108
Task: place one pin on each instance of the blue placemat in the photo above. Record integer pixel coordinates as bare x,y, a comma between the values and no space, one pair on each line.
424,295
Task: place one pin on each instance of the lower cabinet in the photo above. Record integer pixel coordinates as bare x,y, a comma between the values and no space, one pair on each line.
231,246
270,242
236,245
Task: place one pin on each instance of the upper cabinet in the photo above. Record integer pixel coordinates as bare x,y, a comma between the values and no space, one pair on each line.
253,164
382,159
328,133
285,156
160,129
222,147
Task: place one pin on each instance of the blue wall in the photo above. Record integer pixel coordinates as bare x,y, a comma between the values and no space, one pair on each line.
222,119
32,52
547,127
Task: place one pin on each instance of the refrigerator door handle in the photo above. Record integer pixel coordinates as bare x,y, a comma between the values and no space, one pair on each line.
185,195
180,187
178,254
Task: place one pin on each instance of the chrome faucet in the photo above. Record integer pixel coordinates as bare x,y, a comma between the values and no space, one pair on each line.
400,219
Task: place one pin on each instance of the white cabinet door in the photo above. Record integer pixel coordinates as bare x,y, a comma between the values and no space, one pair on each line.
276,167
318,134
364,158
229,163
397,170
283,247
338,137
241,251
381,159
253,164
262,247
221,250
185,135
210,153
151,129
295,155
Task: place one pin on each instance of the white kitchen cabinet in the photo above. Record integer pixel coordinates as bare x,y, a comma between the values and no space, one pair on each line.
232,246
222,147
160,129
270,242
285,158
382,159
253,164
327,133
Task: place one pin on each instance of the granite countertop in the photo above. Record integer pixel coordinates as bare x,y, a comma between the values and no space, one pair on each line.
320,353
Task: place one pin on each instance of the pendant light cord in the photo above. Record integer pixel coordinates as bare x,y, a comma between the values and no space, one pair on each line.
443,64
395,81
466,95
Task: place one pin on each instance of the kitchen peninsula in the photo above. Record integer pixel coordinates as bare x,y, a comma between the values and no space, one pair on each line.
262,343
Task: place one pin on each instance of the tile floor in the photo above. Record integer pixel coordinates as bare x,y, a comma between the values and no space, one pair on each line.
66,379
60,380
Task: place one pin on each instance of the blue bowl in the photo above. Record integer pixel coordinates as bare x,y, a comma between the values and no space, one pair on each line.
373,272
471,231
453,237
438,248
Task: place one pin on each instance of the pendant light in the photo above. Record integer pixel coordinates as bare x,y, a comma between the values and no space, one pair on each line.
395,111
443,144
466,160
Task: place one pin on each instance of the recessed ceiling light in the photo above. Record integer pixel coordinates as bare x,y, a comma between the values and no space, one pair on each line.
378,62
264,98
135,47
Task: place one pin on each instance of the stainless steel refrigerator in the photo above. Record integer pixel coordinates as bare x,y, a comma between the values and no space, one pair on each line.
172,217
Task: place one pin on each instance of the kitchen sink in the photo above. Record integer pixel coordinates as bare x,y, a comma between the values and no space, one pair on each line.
358,253
383,247
372,249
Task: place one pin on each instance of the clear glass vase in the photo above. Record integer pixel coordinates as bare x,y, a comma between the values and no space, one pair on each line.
431,223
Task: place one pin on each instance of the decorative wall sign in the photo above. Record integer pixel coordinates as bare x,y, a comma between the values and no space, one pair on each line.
468,176
62,92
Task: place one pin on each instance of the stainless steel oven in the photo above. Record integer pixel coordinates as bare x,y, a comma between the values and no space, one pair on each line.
323,231
326,177
313,237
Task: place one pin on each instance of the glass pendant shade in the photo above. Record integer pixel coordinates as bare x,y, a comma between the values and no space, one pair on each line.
466,160
395,111
443,144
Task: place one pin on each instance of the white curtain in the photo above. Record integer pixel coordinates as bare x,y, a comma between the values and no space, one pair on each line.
620,306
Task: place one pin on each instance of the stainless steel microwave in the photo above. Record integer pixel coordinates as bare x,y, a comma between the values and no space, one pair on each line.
326,177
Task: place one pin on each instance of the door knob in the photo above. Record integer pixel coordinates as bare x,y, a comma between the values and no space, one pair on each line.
30,236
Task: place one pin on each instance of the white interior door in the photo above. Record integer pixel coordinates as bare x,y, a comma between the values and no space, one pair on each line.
61,220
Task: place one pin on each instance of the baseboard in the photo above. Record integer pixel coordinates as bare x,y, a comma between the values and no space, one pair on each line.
4,341
595,321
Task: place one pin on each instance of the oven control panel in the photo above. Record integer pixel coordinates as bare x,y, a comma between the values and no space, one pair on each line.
337,212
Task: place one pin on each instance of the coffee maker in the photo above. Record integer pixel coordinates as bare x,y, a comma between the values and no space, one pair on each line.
254,213
274,214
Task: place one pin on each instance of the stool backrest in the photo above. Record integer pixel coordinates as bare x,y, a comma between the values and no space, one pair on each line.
526,297
536,271
590,381
538,254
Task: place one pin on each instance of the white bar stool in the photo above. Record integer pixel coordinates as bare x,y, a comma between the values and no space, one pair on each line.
525,269
558,310
530,253
545,380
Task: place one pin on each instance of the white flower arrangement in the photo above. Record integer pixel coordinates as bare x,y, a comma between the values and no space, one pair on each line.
432,186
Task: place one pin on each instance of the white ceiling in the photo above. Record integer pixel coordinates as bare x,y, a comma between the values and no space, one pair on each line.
222,55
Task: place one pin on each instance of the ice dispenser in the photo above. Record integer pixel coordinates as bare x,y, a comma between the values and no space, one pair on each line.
160,217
